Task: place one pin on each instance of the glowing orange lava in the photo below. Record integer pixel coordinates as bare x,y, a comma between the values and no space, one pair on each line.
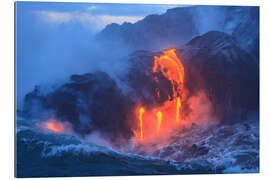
178,106
55,126
171,67
141,122
159,120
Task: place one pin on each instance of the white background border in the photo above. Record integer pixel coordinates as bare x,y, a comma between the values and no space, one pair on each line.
7,88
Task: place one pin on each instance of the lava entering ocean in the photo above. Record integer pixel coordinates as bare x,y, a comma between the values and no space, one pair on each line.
159,120
56,127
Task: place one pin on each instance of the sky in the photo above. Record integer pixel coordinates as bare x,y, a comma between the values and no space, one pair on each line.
53,39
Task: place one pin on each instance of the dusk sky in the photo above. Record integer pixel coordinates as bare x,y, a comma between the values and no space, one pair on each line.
53,39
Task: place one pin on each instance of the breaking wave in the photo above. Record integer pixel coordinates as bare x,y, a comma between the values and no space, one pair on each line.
203,152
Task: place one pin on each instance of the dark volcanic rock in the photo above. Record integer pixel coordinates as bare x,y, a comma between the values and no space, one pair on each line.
229,73
154,31
214,63
179,25
89,102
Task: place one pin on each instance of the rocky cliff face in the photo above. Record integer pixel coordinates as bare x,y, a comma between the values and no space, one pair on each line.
213,62
179,25
89,102
154,31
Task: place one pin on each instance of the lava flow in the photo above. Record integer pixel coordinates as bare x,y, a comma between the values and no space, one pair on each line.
141,122
54,126
159,120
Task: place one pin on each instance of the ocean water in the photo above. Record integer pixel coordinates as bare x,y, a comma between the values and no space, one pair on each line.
216,149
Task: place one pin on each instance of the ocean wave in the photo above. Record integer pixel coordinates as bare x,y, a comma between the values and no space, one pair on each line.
225,149
66,155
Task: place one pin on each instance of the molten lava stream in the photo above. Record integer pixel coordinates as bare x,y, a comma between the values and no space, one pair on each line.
141,122
159,121
178,106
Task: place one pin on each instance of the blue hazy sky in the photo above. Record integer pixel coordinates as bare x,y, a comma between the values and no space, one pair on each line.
53,39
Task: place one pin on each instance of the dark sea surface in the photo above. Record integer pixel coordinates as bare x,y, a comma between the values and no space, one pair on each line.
216,149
